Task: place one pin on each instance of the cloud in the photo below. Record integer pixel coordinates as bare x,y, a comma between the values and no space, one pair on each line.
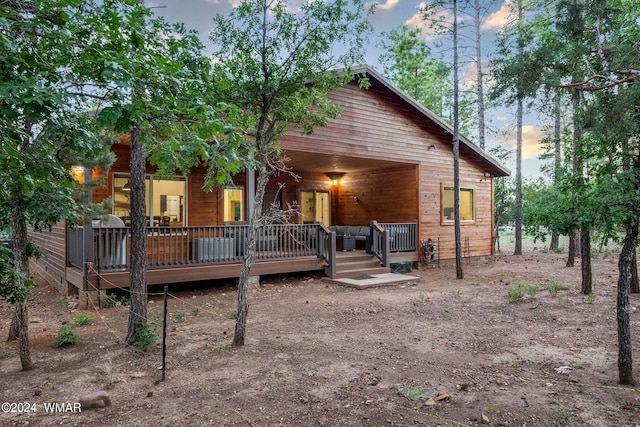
389,4
531,137
499,18
417,21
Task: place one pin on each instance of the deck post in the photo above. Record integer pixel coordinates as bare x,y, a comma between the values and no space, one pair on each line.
386,250
331,255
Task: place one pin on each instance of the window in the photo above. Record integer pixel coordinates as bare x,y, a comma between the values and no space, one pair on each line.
315,207
467,204
166,201
233,204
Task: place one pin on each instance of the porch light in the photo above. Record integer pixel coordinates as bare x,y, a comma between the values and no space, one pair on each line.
334,176
485,176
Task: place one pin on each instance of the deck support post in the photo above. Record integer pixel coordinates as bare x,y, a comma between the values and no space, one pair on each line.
253,283
87,299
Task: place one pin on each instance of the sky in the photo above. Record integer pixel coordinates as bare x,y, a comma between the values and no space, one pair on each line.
392,14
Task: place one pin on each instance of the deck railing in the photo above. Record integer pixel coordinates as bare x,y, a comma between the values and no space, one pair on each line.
175,246
403,236
393,237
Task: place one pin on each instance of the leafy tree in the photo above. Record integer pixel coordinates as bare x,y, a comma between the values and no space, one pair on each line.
511,67
408,63
278,66
154,83
478,11
503,191
45,128
590,49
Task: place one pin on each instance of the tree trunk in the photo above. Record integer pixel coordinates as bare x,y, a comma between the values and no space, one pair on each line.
625,360
518,192
479,77
138,261
23,322
576,161
456,146
585,262
19,244
519,113
557,162
249,256
14,329
571,256
635,287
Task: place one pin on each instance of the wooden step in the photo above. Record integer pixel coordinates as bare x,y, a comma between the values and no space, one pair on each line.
357,265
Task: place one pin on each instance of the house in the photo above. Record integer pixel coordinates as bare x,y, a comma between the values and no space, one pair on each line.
381,175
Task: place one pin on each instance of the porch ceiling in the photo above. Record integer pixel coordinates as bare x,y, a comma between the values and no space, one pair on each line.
316,162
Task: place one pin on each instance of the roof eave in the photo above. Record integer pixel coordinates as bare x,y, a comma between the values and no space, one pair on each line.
497,169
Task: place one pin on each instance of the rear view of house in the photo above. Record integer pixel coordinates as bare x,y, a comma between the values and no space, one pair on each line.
372,185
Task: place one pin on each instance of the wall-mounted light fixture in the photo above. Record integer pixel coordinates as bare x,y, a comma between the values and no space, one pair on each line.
334,177
126,186
431,147
485,176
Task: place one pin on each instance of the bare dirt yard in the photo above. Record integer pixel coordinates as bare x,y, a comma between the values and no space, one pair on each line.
435,351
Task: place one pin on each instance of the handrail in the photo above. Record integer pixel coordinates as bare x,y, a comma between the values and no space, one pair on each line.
174,246
380,243
327,248
403,236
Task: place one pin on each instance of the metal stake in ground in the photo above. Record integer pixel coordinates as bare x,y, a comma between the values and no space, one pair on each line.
164,333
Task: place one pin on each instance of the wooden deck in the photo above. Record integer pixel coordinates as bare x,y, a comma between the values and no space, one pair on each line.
188,254
189,273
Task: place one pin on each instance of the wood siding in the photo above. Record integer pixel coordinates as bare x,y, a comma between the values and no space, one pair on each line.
395,161
52,263
375,124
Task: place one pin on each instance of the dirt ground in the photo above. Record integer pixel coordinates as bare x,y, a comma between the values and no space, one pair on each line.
436,351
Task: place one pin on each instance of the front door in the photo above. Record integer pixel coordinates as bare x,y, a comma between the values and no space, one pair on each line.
315,206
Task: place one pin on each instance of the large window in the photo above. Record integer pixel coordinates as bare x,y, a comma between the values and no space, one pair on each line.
467,204
166,201
233,204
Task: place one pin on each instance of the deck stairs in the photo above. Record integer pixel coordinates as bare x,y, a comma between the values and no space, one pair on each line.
356,264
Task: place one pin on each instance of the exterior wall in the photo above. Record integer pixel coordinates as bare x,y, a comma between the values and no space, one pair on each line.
386,195
414,161
375,124
52,263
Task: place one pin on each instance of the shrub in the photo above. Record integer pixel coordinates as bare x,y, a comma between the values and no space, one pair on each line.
146,337
412,393
519,291
554,287
67,335
82,319
515,293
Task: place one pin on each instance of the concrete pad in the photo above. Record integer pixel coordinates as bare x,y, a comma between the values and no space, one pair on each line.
375,280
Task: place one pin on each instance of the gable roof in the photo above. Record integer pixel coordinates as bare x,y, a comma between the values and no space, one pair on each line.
466,146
